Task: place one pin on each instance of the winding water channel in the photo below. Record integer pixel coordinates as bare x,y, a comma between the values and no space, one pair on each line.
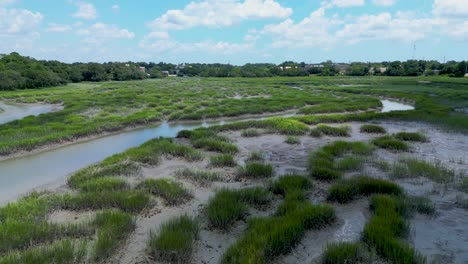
21,175
13,111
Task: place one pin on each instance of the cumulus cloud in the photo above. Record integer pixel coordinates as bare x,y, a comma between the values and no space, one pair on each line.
215,13
312,31
85,11
18,28
53,27
343,3
6,2
450,8
100,33
385,26
384,2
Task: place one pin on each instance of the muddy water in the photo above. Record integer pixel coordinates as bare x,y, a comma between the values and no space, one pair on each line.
10,111
389,106
20,175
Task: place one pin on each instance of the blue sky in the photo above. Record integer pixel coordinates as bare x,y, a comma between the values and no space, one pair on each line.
235,31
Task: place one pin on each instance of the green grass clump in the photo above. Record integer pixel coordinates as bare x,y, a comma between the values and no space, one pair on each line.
422,205
200,176
103,184
346,253
342,131
290,183
171,191
256,170
390,143
223,160
350,163
293,140
286,126
175,240
228,206
409,136
61,252
215,145
268,237
113,228
107,168
322,162
129,201
464,185
386,228
250,133
256,156
347,190
412,168
372,129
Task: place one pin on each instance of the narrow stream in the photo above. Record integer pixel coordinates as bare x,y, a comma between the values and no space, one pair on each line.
21,175
13,111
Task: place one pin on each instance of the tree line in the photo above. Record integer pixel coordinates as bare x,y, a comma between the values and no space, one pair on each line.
20,72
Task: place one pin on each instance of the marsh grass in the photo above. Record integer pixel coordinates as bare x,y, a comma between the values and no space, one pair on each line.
60,252
350,163
290,183
223,160
349,189
171,191
228,206
411,136
175,240
105,169
256,156
386,228
129,201
293,140
250,133
322,162
104,184
346,253
413,168
464,185
390,143
342,131
215,145
113,228
420,204
372,129
255,170
201,176
268,237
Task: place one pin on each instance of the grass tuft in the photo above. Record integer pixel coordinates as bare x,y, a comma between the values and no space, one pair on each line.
413,168
200,176
321,129
410,136
390,143
175,240
223,160
372,129
256,170
250,133
171,191
347,190
346,253
293,140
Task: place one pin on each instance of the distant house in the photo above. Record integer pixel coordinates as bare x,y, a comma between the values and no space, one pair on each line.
165,73
142,69
466,75
382,69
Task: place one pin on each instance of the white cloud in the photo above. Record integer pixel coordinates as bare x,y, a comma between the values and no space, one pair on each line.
312,31
99,33
401,27
343,3
18,21
459,31
18,29
53,27
85,11
215,13
450,8
384,2
115,8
